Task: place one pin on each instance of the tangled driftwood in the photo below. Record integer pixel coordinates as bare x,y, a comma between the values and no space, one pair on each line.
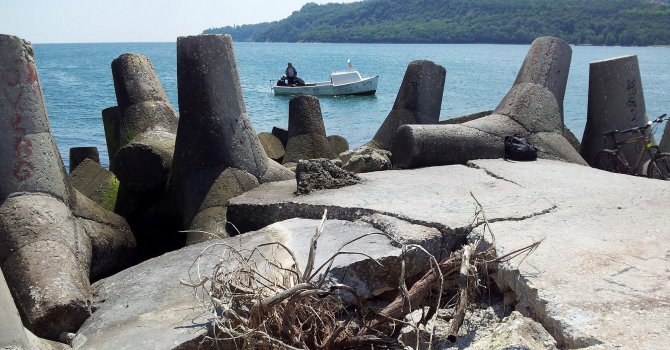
259,303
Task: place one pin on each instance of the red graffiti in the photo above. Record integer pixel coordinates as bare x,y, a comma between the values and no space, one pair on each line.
23,171
32,73
32,76
16,123
23,148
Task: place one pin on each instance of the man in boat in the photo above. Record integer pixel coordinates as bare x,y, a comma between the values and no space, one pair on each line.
291,73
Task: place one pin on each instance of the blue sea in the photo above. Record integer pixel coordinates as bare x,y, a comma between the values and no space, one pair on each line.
77,82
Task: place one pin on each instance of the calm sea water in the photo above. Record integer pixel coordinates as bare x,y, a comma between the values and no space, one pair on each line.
77,82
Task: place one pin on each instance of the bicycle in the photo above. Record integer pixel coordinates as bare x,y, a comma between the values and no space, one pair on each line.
614,160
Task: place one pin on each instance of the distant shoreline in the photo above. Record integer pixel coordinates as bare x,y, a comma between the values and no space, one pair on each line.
344,43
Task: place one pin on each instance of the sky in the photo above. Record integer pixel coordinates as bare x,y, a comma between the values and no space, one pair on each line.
87,21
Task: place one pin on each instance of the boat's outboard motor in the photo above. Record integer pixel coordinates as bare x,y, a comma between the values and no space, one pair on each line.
281,81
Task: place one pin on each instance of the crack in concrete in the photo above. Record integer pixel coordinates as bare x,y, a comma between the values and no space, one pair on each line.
484,131
525,217
472,165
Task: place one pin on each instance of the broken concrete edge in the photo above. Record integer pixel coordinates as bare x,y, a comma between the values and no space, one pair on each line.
452,239
292,210
533,303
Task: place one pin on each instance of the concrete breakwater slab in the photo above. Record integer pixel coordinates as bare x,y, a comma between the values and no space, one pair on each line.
146,307
436,197
600,277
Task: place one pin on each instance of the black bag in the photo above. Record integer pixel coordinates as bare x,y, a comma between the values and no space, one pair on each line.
517,148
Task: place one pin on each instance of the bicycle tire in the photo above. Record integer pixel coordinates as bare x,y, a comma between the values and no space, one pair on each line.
659,167
607,160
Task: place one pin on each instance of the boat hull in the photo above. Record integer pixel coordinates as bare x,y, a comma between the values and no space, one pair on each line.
367,86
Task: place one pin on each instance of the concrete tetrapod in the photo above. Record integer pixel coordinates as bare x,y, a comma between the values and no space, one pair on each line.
547,63
113,245
43,251
147,126
337,144
616,102
419,101
664,145
29,159
111,119
210,220
532,109
79,154
272,146
46,254
214,131
96,183
417,146
12,335
306,132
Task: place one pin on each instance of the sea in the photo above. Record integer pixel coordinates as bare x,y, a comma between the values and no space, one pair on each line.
77,82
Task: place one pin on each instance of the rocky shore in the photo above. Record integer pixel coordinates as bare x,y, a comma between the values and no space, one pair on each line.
135,256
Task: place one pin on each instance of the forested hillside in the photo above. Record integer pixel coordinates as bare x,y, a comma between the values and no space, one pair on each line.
595,22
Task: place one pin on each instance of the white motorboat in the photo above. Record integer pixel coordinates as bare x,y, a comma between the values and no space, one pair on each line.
341,83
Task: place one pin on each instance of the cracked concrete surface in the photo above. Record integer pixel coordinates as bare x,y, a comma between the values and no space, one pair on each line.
145,306
598,279
438,197
600,275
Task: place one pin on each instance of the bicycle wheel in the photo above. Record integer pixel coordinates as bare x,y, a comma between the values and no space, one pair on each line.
659,167
607,160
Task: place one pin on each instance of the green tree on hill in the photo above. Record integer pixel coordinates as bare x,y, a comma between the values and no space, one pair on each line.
593,22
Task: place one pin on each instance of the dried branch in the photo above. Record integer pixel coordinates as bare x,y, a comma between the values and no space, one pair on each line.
312,248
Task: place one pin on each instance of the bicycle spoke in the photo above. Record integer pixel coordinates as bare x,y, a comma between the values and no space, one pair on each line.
659,167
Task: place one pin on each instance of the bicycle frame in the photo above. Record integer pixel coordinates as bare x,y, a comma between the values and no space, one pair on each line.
648,146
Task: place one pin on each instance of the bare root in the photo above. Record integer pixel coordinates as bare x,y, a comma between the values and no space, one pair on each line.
260,298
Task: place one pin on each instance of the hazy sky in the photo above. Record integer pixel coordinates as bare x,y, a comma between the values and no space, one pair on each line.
83,21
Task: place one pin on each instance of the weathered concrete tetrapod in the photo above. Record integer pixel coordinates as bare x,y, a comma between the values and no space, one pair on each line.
214,131
664,145
425,145
29,159
547,63
12,335
532,108
281,133
306,132
536,98
111,121
45,254
338,144
147,127
616,101
96,183
210,221
419,101
79,154
113,244
272,145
